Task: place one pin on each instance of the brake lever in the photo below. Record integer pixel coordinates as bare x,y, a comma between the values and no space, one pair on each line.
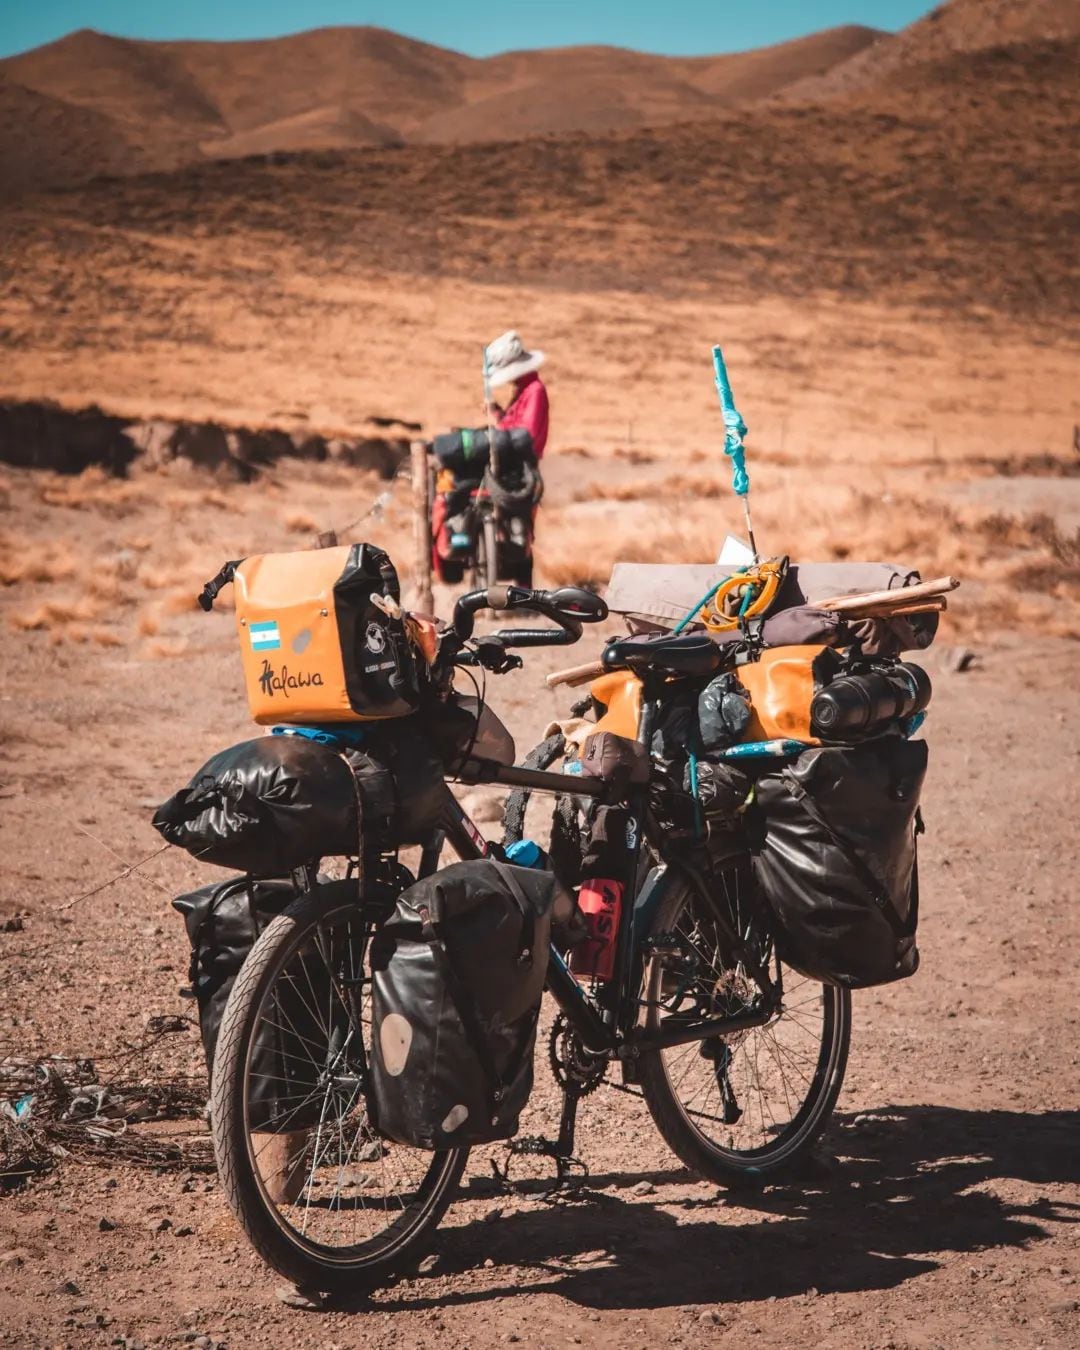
493,656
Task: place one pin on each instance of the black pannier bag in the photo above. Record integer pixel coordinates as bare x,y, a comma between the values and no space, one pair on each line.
270,805
836,860
223,923
458,975
466,452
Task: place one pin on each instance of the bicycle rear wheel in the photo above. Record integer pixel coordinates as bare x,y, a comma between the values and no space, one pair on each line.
322,1197
738,1109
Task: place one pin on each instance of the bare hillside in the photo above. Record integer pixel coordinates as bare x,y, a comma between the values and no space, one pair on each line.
956,28
175,103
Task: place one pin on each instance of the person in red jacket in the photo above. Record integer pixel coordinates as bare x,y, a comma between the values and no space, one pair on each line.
509,363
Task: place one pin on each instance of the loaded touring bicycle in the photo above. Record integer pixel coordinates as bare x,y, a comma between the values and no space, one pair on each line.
334,1010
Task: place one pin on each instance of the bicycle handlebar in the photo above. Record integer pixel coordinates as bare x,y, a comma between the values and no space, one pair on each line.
569,607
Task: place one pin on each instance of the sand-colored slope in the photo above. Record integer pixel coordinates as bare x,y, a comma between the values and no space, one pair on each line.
341,87
48,142
139,84
392,80
328,128
961,26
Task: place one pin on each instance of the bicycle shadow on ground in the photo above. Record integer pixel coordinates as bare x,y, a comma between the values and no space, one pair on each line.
899,1194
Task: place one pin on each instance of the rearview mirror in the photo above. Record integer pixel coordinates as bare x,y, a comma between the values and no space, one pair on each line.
575,604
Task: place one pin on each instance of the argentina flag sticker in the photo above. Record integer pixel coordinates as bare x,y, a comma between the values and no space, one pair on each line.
265,637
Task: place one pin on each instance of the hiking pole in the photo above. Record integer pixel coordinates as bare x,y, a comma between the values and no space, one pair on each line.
734,431
493,453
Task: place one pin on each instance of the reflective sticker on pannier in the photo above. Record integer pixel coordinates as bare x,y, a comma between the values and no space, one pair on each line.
395,1038
457,1115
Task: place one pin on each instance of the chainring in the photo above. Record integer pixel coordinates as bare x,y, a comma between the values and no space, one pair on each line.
574,1068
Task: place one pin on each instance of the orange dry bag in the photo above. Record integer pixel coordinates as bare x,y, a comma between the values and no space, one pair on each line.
782,683
322,635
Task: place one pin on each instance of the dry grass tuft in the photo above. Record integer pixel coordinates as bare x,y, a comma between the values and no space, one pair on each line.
24,559
148,623
180,601
164,651
48,616
105,637
94,489
299,522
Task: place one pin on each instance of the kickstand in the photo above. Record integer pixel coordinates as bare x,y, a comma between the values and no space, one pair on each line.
571,1173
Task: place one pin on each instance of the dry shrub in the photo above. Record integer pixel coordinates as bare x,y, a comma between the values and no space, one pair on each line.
691,486
48,616
148,623
157,578
139,543
573,554
299,522
105,637
164,651
614,492
180,601
633,456
94,488
24,559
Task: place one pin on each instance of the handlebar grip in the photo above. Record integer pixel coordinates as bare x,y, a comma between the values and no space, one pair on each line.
498,597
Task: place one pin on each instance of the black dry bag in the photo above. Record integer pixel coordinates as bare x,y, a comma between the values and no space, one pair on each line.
223,923
837,860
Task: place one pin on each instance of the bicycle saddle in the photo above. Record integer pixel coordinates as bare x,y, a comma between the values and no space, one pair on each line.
693,654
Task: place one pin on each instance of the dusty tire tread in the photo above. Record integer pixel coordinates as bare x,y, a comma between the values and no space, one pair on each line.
226,1099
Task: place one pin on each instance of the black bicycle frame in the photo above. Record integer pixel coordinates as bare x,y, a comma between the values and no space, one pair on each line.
610,1025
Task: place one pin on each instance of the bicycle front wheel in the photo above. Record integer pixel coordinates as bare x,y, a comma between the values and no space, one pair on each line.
743,1108
323,1198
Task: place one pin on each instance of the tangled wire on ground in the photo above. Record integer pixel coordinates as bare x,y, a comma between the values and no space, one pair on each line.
60,1107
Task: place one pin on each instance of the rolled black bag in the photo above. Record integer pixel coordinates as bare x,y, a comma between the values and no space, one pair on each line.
458,974
836,860
272,804
223,923
467,451
265,807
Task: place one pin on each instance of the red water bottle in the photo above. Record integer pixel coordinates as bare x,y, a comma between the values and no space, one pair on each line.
600,901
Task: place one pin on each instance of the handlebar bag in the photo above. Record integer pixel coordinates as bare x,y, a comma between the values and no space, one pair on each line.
458,975
223,923
322,637
836,859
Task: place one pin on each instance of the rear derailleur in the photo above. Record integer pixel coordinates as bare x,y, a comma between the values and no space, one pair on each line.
578,1071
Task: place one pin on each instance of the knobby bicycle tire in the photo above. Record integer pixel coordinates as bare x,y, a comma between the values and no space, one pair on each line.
738,1066
307,1263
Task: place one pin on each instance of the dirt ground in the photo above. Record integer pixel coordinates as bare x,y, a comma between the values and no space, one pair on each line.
895,291
941,1208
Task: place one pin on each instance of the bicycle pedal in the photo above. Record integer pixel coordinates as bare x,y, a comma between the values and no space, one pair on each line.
533,1145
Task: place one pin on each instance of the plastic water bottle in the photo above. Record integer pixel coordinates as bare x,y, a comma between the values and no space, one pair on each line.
600,901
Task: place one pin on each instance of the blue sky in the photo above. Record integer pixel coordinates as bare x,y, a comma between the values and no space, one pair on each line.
480,27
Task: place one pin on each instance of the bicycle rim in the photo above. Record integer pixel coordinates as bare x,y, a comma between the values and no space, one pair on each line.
317,1188
756,1099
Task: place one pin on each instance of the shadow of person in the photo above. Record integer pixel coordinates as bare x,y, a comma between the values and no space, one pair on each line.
910,1186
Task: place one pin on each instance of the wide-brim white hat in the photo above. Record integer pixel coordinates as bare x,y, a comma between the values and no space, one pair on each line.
508,360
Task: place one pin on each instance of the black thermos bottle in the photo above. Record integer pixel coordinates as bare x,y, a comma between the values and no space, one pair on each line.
860,703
